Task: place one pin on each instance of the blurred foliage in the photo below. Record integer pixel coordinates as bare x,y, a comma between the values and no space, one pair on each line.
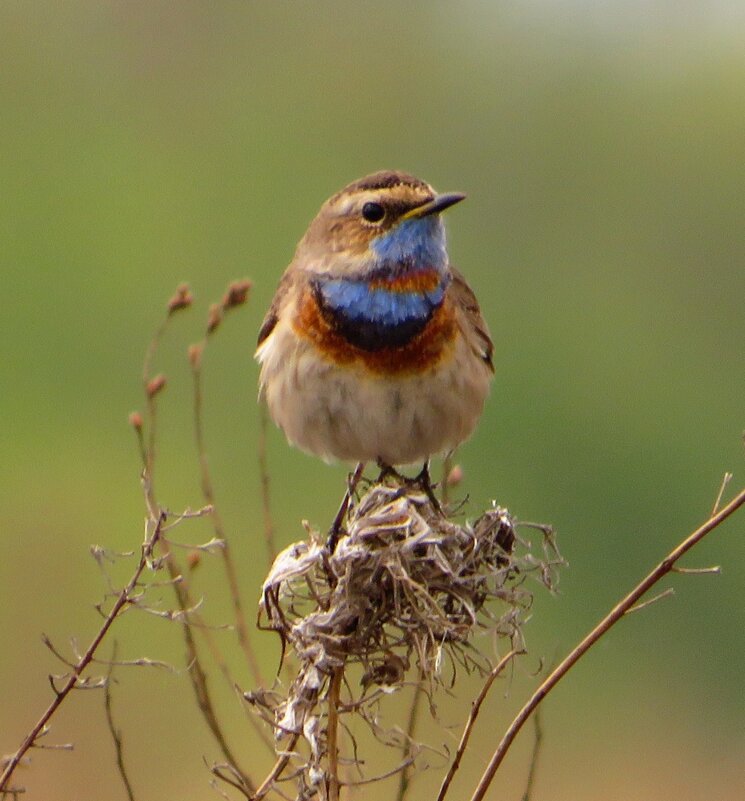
603,150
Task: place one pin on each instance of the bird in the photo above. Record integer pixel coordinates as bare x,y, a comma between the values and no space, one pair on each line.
374,348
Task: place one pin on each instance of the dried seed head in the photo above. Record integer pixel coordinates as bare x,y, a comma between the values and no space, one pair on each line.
155,385
181,299
236,295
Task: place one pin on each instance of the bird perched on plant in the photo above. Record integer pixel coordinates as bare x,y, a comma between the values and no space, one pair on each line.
374,347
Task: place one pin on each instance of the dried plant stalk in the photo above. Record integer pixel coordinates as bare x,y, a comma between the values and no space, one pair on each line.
619,610
404,590
74,677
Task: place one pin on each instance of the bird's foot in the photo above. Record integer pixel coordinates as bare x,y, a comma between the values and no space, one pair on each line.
336,527
388,471
425,483
421,481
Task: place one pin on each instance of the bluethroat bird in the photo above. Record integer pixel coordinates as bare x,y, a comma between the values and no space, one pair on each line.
374,347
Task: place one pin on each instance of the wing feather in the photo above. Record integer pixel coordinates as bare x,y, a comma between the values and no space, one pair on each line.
475,328
278,301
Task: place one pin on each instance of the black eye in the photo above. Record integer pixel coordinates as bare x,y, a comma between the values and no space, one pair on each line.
373,212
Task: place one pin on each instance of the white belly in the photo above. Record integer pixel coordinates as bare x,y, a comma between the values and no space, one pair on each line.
351,414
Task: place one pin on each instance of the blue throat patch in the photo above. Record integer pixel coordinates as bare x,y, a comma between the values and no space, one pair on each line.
376,318
419,242
373,316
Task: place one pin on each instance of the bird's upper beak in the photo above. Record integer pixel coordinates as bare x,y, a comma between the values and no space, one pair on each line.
435,206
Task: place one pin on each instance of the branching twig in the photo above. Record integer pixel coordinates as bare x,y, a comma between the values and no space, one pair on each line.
230,775
653,600
664,567
475,709
182,299
131,595
121,602
197,673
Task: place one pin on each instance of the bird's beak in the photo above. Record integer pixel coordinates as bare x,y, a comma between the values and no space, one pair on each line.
435,206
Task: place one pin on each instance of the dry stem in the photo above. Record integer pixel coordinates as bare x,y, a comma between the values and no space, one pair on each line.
447,466
196,672
404,589
116,735
276,771
475,709
332,732
533,770
618,611
271,548
209,496
405,780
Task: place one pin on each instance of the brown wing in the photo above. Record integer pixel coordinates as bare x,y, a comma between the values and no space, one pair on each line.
476,330
272,315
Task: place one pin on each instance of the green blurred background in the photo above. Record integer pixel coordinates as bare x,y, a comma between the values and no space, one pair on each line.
602,147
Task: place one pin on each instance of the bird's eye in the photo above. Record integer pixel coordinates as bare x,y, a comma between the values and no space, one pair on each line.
373,212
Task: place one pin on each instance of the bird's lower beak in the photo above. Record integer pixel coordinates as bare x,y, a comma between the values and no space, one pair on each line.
434,206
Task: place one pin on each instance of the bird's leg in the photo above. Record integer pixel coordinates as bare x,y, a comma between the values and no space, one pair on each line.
388,470
335,530
425,482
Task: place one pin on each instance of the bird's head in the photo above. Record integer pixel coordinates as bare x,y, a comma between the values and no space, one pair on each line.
386,221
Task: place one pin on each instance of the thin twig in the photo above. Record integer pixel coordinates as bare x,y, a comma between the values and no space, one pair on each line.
75,674
271,548
142,661
209,497
216,771
644,604
447,466
537,741
116,735
228,774
618,611
475,709
405,779
407,763
135,420
192,619
197,674
54,747
332,731
276,771
149,448
722,489
714,570
49,644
